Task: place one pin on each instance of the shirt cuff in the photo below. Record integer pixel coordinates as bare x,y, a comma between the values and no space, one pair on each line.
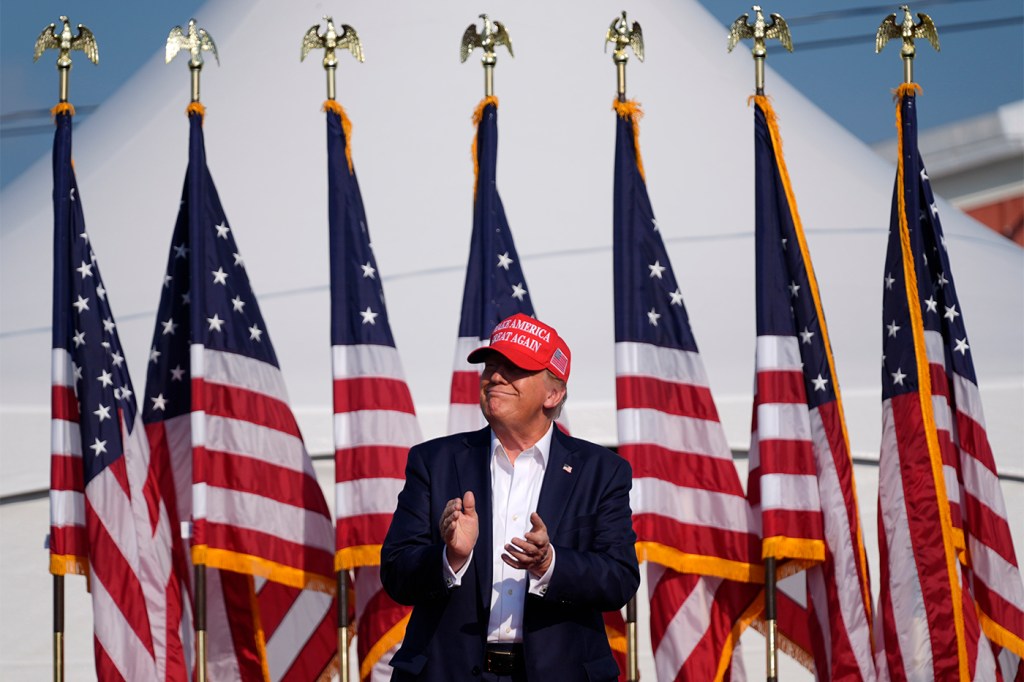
453,578
539,586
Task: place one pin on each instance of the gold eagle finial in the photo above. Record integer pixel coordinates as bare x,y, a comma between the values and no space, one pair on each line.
760,31
330,41
907,30
65,42
622,35
195,42
492,35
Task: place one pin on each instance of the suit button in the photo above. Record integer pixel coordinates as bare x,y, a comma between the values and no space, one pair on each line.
475,671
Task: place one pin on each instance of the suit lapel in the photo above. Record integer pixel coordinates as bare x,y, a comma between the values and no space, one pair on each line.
473,472
560,476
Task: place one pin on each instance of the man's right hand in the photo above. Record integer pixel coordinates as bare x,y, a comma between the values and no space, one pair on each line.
460,529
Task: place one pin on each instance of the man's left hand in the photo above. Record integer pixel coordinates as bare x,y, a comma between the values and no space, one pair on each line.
532,553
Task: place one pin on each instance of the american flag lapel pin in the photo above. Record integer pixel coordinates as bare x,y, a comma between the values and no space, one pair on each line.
566,468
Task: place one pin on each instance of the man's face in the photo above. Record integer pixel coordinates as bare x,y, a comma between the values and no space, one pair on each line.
515,397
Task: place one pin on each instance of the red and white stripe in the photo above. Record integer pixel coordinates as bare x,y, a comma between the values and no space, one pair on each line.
299,628
255,493
374,427
782,484
689,511
381,624
464,402
686,493
696,623
919,625
121,526
69,543
995,575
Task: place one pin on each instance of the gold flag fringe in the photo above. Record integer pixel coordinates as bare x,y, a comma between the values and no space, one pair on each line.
389,639
681,562
196,108
253,565
616,639
62,108
259,636
786,645
631,111
346,128
69,564
725,662
924,390
478,115
906,89
356,556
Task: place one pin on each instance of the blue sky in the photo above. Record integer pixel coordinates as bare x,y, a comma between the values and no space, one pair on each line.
981,65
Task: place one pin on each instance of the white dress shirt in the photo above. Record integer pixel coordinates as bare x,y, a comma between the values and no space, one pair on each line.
515,490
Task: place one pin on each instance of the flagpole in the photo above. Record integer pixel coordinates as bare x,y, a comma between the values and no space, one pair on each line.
195,40
908,31
761,31
64,42
621,35
493,34
330,41
771,622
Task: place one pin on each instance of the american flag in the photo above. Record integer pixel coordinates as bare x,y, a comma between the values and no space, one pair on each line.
944,613
374,419
108,515
692,520
495,287
801,474
216,408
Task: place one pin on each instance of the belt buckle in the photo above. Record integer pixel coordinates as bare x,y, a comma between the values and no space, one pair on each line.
500,662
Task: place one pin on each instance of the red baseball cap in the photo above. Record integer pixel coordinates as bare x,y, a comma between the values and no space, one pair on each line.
527,343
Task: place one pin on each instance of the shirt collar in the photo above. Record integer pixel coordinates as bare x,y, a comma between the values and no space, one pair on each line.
542,447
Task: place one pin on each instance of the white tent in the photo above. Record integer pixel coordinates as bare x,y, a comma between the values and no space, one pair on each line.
410,104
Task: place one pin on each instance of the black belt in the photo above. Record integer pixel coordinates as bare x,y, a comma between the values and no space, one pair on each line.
504,659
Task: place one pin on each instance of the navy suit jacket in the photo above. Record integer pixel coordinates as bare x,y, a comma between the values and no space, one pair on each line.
584,502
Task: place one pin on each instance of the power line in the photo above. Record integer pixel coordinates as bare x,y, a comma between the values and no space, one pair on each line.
868,40
887,9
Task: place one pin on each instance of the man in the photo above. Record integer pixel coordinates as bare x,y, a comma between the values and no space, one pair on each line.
511,541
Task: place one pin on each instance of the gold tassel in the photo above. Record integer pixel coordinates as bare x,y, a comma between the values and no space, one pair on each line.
906,89
478,115
346,128
196,108
62,108
631,110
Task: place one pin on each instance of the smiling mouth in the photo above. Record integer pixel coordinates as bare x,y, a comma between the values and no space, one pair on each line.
495,392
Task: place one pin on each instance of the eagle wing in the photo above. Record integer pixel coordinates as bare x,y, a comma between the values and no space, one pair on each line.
613,32
206,43
86,42
636,40
470,41
780,29
350,40
739,30
46,41
926,29
311,41
888,29
175,41
501,37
